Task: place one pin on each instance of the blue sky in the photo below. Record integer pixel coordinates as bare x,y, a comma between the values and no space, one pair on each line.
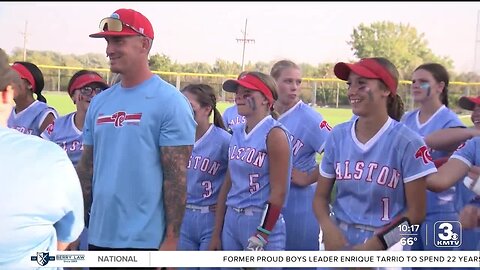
310,32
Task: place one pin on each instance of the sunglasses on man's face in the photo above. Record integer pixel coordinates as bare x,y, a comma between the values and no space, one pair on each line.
116,25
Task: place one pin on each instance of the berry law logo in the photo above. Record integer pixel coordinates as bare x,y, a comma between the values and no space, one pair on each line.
447,234
42,258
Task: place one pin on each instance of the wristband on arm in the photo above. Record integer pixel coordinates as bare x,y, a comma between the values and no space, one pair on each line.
269,218
473,185
393,232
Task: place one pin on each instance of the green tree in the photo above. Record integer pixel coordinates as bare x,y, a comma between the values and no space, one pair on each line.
162,62
197,67
399,43
226,67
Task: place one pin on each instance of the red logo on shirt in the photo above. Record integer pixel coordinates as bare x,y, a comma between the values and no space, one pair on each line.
324,124
424,154
119,118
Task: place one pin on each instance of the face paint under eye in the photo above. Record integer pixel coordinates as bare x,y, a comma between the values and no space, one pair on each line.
251,103
369,93
426,86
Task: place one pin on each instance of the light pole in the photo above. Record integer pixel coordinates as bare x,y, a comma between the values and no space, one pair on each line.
245,40
477,44
25,42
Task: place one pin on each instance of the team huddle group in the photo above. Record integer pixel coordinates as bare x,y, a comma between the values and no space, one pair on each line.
155,172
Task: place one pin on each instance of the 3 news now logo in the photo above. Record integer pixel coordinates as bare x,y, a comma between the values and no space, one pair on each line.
447,234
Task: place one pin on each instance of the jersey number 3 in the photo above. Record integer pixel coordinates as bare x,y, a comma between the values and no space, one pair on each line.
207,185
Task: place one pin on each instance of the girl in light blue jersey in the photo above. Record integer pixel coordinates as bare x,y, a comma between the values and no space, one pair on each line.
258,176
430,89
308,133
468,201
232,118
205,170
30,116
464,160
377,164
67,130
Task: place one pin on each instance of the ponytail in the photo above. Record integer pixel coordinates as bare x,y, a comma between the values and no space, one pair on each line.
444,96
395,107
205,95
41,98
274,114
217,119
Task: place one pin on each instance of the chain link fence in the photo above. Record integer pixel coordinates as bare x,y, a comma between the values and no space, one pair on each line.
324,92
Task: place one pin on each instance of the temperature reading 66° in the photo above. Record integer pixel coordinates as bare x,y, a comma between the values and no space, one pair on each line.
408,241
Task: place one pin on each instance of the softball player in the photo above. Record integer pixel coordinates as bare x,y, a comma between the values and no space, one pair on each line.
377,164
232,118
66,131
430,89
30,116
462,161
467,203
205,171
258,175
308,133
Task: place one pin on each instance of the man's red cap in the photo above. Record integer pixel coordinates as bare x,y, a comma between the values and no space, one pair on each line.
130,19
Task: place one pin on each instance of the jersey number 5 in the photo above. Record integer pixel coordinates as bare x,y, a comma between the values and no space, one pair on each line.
254,185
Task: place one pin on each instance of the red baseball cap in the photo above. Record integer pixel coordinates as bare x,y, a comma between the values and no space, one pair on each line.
367,68
250,82
84,80
125,22
468,103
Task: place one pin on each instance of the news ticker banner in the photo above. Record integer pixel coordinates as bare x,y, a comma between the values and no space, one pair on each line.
253,259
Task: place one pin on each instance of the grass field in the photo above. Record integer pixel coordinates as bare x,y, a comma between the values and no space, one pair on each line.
64,105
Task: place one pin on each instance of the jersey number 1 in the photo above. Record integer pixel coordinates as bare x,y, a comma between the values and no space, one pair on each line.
386,208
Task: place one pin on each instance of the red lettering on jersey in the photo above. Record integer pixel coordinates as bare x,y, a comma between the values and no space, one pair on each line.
461,146
324,124
49,128
423,153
